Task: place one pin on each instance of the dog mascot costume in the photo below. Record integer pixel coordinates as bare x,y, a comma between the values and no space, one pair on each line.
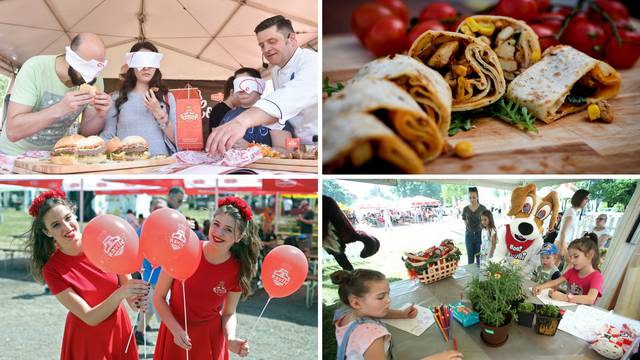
521,239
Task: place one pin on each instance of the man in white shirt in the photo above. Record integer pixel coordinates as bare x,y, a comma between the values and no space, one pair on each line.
295,81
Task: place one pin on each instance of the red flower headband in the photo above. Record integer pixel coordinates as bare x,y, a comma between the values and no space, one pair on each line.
40,199
239,204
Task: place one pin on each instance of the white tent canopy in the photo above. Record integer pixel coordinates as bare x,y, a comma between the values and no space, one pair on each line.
204,40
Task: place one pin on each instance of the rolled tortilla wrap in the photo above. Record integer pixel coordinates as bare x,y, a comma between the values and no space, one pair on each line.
514,42
358,142
470,68
425,85
393,107
564,81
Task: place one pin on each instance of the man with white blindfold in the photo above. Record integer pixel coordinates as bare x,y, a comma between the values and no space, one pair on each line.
247,88
45,101
295,99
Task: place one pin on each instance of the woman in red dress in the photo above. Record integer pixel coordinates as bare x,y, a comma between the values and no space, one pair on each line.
227,265
97,325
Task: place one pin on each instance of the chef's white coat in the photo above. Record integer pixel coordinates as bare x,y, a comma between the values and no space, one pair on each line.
295,98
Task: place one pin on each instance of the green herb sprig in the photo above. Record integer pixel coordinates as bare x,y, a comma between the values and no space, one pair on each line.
330,90
514,114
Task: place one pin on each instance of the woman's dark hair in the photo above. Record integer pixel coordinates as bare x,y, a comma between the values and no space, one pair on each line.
578,197
247,249
587,243
129,82
354,282
40,246
489,215
247,70
205,227
228,86
473,189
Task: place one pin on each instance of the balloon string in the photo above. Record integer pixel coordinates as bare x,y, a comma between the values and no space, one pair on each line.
144,333
137,318
184,301
259,317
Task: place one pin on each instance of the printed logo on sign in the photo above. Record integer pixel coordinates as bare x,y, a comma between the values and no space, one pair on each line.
178,239
280,277
220,289
113,245
189,114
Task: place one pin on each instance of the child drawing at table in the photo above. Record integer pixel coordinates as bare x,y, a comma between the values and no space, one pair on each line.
584,280
547,270
359,332
488,236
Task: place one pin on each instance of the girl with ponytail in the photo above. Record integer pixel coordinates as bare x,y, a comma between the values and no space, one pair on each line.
584,280
226,268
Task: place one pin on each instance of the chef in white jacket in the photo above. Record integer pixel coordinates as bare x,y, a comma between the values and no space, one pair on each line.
295,98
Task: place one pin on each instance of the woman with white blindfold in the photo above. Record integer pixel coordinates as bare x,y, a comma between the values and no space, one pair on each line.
143,106
248,86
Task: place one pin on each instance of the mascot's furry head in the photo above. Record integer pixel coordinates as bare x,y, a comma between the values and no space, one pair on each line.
521,239
530,212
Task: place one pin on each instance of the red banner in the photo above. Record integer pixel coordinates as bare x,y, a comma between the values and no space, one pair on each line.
293,186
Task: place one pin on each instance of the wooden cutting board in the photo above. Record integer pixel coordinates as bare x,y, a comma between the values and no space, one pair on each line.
33,166
296,165
570,145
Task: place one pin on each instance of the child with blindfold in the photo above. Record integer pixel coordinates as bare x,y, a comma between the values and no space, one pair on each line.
248,86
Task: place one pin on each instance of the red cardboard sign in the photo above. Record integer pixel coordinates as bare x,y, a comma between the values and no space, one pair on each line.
188,119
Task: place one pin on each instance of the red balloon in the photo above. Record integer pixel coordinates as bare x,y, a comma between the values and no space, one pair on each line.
112,245
164,235
284,269
187,261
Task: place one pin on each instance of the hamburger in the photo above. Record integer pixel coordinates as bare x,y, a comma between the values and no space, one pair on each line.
135,148
91,150
115,150
65,151
88,89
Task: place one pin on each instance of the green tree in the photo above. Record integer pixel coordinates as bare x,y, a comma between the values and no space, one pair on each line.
377,192
409,188
333,189
451,191
616,193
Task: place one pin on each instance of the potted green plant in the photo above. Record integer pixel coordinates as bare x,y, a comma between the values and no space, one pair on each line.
526,314
547,319
493,294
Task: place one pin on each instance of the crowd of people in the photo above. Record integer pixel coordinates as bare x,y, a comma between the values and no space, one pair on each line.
391,217
50,94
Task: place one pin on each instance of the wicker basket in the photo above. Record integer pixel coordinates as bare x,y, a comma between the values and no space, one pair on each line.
436,271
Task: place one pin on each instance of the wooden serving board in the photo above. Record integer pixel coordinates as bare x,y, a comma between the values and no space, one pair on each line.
570,145
296,165
40,166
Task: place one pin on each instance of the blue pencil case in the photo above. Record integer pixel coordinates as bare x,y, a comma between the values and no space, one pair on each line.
464,314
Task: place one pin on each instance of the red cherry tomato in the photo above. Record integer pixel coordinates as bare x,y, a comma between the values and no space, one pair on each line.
565,10
551,20
438,11
625,56
620,25
365,16
386,37
546,36
615,10
543,5
520,9
397,7
585,36
420,28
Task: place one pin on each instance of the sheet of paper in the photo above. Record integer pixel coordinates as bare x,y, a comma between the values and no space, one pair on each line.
460,273
544,297
415,326
586,322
